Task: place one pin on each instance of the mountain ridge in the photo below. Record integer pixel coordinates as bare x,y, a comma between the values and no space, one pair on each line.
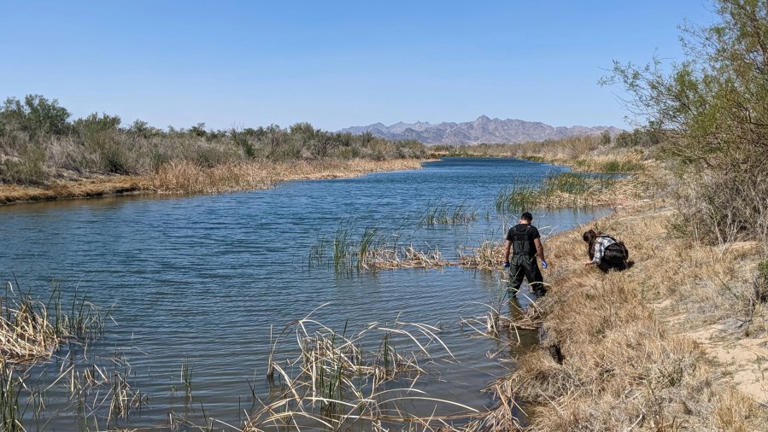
482,130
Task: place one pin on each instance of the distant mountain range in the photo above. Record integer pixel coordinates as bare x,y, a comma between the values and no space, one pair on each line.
482,130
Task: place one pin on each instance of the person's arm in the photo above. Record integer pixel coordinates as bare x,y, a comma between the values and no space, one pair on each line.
539,248
507,246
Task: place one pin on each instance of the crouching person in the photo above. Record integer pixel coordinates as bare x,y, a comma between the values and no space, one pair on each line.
606,252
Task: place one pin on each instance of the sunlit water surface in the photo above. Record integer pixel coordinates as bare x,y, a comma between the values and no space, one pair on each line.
201,279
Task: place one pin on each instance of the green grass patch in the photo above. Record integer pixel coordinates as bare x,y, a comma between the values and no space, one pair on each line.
566,189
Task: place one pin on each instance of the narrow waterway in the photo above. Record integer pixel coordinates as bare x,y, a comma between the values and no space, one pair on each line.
200,280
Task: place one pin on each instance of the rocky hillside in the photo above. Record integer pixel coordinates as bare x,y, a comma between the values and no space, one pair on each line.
482,130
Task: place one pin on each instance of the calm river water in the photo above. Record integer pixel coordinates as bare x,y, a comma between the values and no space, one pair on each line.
201,279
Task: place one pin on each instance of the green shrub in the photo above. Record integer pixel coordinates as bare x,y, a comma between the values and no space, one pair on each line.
616,167
762,270
712,110
96,144
36,116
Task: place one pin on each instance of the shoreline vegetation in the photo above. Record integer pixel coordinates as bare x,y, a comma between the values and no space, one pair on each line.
678,342
675,343
188,178
45,156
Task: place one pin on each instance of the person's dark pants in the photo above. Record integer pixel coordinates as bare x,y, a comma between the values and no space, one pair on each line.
615,257
520,267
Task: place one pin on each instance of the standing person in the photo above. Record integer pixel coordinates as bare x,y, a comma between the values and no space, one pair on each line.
605,252
525,241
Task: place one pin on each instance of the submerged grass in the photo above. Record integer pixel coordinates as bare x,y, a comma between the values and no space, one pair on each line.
31,333
10,387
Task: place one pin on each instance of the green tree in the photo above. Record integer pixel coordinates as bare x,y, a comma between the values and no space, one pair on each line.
605,138
713,108
35,116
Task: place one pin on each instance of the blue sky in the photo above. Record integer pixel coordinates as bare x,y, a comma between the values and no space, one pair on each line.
334,63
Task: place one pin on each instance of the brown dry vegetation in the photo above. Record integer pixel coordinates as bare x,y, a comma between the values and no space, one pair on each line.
674,343
25,334
186,177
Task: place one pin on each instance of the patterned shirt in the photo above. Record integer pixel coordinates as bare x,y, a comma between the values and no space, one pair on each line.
601,243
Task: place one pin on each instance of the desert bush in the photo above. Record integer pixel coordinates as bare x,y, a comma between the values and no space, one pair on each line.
27,168
640,137
712,110
38,144
35,116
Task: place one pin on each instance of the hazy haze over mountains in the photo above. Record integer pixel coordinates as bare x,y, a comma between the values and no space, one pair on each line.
482,130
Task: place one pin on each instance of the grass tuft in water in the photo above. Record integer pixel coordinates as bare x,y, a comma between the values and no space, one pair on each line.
31,332
337,380
568,189
444,214
10,386
371,253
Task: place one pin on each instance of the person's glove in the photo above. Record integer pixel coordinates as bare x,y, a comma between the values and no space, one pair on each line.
543,264
506,264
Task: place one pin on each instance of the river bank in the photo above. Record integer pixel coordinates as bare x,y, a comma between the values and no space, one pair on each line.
678,342
187,178
639,348
222,270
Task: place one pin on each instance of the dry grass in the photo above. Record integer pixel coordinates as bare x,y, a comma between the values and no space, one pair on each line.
488,256
26,335
188,178
653,348
625,366
88,188
31,332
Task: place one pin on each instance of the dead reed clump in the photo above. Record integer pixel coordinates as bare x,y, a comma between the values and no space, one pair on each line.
363,379
26,334
488,256
347,254
392,257
32,332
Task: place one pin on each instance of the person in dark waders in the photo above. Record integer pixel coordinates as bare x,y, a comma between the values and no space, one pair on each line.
525,242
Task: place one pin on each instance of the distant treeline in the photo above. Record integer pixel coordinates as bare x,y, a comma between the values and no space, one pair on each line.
564,148
39,142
